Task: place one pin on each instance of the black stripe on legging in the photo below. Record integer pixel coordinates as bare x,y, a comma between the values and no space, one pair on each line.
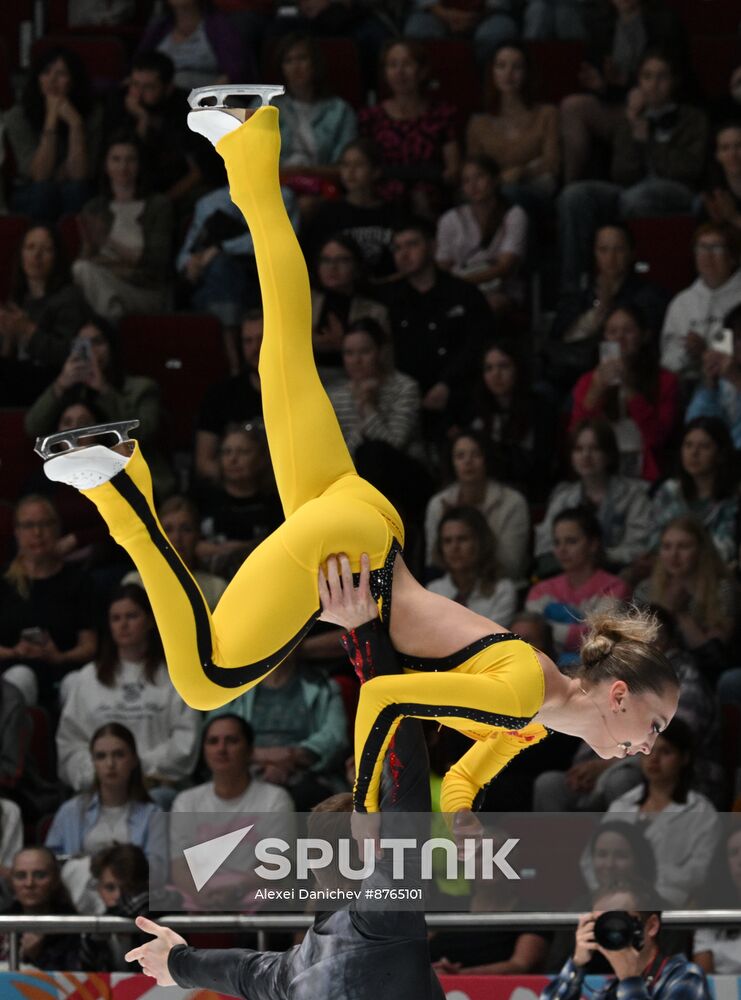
226,677
386,718
442,663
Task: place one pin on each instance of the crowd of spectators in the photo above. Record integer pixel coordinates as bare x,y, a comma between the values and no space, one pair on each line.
558,425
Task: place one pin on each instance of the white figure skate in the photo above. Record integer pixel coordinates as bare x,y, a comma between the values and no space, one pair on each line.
84,466
213,118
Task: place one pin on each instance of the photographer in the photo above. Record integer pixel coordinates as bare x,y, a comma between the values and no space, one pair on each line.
627,936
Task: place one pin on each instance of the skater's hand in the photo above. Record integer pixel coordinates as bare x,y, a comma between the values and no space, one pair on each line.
342,602
152,956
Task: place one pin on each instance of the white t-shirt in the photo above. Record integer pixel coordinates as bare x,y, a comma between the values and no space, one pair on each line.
165,728
725,945
112,827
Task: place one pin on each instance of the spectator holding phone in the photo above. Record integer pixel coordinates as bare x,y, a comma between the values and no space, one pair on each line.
695,315
719,393
628,387
639,968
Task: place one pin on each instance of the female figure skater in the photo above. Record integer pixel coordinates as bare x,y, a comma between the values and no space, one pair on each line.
458,666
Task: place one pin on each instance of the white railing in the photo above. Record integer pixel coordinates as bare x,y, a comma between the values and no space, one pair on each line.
234,923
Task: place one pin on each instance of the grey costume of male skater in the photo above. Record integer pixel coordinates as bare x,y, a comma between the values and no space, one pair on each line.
347,954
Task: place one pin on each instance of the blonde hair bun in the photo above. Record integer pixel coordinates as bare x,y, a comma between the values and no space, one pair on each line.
609,627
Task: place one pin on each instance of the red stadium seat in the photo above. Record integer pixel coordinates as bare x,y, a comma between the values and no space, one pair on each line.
68,228
184,354
105,56
455,75
722,17
12,230
11,16
555,68
713,60
41,742
7,541
664,249
17,458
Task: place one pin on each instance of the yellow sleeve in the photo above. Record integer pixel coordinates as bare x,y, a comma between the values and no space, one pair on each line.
484,761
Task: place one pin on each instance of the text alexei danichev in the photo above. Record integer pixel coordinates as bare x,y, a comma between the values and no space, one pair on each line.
308,894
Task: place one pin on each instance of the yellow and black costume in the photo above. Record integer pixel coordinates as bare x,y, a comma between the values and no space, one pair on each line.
273,600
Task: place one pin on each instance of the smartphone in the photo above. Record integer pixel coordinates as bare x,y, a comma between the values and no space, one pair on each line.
722,341
609,350
34,635
81,349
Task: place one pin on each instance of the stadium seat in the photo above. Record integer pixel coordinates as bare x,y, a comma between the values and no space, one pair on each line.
17,458
664,250
722,17
12,14
555,68
184,354
7,541
713,61
105,56
12,230
41,742
69,233
455,75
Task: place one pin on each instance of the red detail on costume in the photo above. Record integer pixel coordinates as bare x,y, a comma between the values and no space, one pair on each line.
396,765
525,737
362,661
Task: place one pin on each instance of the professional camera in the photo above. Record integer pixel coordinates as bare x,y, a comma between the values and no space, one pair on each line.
617,929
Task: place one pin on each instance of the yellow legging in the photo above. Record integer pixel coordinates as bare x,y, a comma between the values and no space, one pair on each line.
273,600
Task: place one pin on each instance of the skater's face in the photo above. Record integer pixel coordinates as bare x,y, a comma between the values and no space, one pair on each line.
109,888
500,373
612,252
241,457
469,463
699,453
225,748
122,165
55,80
336,268
357,173
36,530
612,858
402,71
130,624
252,342
509,71
298,68
412,252
573,548
146,88
728,151
628,723
37,254
34,879
679,553
656,82
183,532
714,260
587,458
361,357
459,547
114,762
621,328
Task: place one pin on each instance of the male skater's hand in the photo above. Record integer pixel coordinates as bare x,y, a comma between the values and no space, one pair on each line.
342,602
152,956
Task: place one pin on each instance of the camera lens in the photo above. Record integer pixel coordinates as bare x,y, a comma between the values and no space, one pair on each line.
615,930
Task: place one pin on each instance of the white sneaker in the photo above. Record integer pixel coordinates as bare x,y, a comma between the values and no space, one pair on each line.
85,468
215,120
